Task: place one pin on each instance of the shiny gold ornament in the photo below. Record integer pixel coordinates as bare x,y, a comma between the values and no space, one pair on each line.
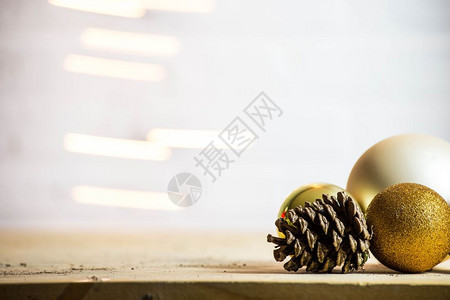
404,158
411,227
307,193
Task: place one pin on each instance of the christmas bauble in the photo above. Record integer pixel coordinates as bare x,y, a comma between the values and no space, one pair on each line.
405,158
411,227
308,193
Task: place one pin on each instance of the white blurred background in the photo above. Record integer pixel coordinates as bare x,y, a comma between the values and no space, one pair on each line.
97,77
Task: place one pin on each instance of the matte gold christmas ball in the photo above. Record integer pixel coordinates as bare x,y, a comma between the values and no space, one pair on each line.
307,193
411,227
404,158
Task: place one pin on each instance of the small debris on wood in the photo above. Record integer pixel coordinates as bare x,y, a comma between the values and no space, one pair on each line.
147,297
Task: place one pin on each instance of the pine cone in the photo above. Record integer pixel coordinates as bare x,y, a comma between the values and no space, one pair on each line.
329,232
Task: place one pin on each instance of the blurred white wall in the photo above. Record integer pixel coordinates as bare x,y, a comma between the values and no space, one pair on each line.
346,74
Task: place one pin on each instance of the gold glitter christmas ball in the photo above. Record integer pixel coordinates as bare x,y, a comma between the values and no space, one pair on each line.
411,227
403,158
309,192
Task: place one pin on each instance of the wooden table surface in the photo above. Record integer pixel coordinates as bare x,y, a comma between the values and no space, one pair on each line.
184,265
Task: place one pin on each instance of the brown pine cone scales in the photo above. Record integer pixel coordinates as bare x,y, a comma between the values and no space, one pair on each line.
329,232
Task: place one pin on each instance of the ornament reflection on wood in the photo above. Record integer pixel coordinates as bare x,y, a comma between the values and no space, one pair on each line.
405,158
